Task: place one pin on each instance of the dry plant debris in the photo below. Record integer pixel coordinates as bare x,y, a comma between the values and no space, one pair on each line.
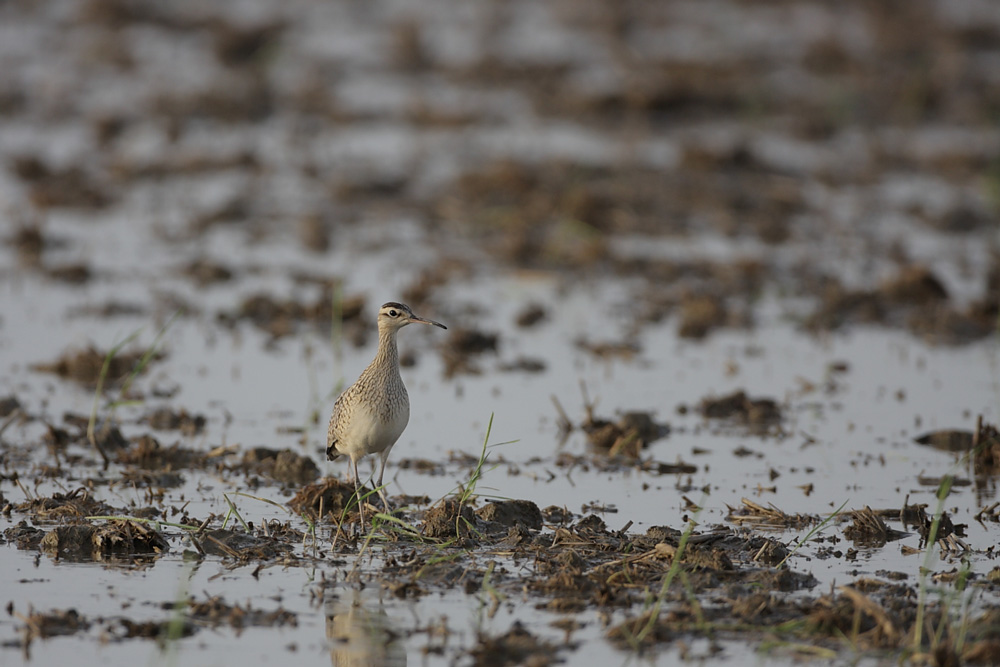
757,515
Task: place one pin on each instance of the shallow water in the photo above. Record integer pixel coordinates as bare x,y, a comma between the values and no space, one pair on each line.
509,154
849,435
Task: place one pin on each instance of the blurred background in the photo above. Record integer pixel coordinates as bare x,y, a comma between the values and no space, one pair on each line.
623,210
644,203
713,149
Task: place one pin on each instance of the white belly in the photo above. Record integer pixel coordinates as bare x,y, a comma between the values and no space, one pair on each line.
368,433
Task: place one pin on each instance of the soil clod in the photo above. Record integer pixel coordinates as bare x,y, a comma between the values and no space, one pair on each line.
83,542
167,419
759,413
869,529
329,496
449,519
511,513
84,366
283,465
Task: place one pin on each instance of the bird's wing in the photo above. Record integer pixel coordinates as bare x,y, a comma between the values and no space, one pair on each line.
331,429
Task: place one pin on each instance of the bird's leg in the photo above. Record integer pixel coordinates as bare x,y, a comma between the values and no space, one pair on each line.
381,490
357,490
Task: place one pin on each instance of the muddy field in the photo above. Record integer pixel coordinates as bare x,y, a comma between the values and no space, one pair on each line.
720,382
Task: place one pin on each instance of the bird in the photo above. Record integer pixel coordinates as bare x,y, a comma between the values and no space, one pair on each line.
372,413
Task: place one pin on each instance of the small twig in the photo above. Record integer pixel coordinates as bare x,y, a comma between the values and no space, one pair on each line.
10,420
196,543
588,406
225,547
565,425
25,491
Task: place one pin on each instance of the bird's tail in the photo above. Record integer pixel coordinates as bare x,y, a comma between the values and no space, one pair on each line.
331,451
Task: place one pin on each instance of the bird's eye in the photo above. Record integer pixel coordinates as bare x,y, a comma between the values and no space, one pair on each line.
393,313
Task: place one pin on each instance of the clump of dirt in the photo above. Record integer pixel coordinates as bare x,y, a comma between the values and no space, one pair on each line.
915,298
216,612
126,628
127,538
757,413
108,437
168,419
147,453
240,46
525,364
621,349
869,529
56,623
87,542
703,313
757,515
509,513
948,440
915,286
67,187
23,536
111,309
986,461
8,404
984,443
984,651
30,242
872,625
74,274
448,519
241,546
422,466
583,565
461,346
699,315
648,629
73,505
329,496
57,439
946,528
283,465
627,437
84,366
515,647
205,272
771,552
530,315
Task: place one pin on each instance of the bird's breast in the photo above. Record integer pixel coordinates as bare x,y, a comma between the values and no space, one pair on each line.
372,427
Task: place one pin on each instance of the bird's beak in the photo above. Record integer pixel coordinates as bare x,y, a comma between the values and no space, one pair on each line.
424,321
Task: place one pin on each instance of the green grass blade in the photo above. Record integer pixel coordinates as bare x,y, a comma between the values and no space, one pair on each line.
809,535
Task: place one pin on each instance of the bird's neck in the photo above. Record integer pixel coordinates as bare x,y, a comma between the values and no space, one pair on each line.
387,354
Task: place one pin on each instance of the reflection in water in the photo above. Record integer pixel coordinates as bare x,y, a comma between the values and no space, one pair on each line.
359,633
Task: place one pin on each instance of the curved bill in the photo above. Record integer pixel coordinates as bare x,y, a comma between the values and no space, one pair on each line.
426,321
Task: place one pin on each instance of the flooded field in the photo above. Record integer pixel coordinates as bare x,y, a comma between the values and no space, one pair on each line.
721,379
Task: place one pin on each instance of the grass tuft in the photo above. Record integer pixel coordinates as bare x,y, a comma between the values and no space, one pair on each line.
818,527
139,367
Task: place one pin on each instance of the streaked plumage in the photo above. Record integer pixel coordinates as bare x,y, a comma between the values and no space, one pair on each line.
371,414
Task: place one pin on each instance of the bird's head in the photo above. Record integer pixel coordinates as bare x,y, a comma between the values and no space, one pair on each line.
393,316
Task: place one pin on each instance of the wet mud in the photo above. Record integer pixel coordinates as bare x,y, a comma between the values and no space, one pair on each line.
761,241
